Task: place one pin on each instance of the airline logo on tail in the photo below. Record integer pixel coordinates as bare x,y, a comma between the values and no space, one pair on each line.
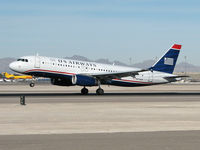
170,61
167,62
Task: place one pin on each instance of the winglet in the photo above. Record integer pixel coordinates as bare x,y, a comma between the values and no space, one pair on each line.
176,46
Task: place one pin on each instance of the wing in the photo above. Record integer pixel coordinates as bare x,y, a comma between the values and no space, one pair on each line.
115,75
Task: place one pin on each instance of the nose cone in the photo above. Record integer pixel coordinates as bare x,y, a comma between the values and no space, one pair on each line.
13,66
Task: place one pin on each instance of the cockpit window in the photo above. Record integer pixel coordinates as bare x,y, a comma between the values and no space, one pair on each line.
24,60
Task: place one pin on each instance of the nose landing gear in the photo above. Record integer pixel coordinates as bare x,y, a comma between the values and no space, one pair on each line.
32,84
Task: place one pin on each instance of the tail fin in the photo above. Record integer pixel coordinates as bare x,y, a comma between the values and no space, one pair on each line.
6,74
168,61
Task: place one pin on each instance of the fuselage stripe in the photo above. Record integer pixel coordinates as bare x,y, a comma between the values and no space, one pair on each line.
49,71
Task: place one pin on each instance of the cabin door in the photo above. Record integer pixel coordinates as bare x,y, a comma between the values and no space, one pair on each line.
37,61
150,76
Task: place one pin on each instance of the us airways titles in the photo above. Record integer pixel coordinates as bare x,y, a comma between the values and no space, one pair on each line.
72,62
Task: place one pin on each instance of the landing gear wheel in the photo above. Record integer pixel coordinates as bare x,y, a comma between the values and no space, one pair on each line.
84,91
100,91
32,84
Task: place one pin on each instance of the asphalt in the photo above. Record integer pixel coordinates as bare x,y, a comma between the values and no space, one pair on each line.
77,98
172,140
159,117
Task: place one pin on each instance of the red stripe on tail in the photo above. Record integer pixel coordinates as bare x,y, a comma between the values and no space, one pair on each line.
176,46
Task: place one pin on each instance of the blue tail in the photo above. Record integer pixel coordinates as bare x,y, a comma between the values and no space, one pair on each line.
167,62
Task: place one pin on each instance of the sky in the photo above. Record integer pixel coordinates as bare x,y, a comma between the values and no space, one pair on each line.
113,29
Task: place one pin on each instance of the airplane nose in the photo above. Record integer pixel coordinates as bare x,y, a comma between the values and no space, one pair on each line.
13,66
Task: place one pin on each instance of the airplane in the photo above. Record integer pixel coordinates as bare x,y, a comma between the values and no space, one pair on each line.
67,72
14,77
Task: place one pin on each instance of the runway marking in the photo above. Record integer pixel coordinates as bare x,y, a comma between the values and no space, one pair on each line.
106,94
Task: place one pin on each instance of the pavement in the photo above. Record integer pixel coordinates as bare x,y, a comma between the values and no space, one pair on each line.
47,88
171,140
119,120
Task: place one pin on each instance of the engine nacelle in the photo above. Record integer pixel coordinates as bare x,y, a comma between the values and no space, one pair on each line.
62,82
84,80
75,80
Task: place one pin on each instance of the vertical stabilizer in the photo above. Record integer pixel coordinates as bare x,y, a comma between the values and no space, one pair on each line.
168,61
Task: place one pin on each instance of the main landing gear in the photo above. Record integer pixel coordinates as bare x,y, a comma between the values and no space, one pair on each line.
99,91
84,91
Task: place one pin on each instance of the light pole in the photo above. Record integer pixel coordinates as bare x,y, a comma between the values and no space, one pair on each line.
130,61
185,57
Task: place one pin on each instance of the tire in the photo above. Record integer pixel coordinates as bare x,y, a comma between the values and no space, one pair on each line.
84,91
99,91
32,84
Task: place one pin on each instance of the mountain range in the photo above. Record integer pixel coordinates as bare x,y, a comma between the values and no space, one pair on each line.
180,67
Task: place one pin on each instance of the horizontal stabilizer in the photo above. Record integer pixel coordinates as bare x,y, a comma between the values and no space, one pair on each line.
170,78
177,77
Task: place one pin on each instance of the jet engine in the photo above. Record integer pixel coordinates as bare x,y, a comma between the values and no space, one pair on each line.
61,82
83,80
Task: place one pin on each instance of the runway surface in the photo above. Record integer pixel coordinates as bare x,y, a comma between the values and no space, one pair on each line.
77,98
157,117
184,140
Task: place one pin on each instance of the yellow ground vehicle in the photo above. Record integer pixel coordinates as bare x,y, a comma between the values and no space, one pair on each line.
13,77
